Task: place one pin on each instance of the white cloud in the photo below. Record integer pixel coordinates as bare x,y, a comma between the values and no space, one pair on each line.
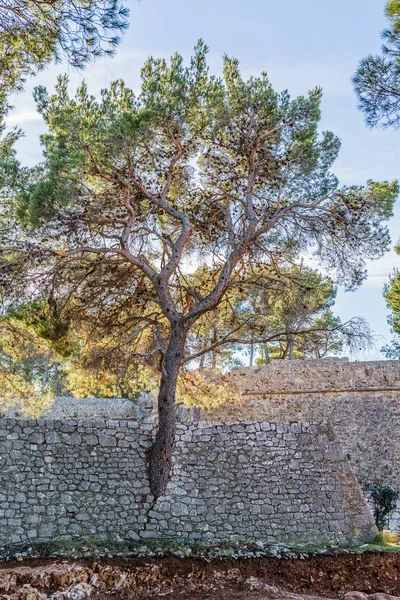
21,117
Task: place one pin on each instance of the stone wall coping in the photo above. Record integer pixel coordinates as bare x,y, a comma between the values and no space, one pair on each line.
321,390
317,362
111,423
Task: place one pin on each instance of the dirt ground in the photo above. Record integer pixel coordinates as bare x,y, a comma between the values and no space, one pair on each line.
372,575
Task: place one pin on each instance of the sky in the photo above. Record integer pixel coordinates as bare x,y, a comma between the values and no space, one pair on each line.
300,45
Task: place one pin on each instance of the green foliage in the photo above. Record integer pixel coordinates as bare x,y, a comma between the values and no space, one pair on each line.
385,499
33,32
391,293
387,538
223,173
47,321
377,79
290,305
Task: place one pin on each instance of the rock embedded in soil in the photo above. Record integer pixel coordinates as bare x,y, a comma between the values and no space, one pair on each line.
189,579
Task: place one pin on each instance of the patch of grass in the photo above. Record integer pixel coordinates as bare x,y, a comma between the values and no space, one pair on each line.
376,548
165,543
59,546
387,538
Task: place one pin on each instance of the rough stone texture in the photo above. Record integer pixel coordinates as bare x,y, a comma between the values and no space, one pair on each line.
67,407
88,479
62,479
327,374
287,483
360,399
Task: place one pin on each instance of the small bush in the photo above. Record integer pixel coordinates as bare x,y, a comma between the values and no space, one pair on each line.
388,538
385,499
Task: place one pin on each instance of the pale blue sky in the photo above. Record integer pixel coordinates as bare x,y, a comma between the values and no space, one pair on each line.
300,45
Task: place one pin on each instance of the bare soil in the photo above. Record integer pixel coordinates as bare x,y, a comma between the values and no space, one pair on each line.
370,574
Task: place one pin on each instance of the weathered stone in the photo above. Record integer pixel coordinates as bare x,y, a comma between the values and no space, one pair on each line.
52,437
107,440
359,399
355,596
249,480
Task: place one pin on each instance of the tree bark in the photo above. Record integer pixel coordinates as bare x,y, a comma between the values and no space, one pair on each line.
161,452
196,409
45,373
251,355
214,353
291,348
196,414
266,353
59,389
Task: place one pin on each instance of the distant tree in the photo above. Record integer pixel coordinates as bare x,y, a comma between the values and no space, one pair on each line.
25,369
195,170
377,85
391,293
392,296
292,305
34,32
328,335
377,79
392,350
211,327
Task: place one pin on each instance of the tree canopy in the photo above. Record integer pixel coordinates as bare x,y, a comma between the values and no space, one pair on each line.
34,32
296,311
391,292
377,79
136,192
286,303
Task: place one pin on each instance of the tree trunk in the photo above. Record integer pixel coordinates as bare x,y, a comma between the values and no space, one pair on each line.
251,355
45,373
58,382
161,452
291,348
213,352
266,353
196,414
196,409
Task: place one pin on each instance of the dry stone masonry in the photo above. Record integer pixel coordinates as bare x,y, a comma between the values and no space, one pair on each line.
275,482
67,407
71,479
87,479
360,399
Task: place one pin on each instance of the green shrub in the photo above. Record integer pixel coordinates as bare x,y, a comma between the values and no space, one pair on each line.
384,503
387,538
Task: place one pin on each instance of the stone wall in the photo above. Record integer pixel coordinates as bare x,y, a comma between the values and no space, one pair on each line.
282,483
67,407
360,399
71,479
324,375
88,479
